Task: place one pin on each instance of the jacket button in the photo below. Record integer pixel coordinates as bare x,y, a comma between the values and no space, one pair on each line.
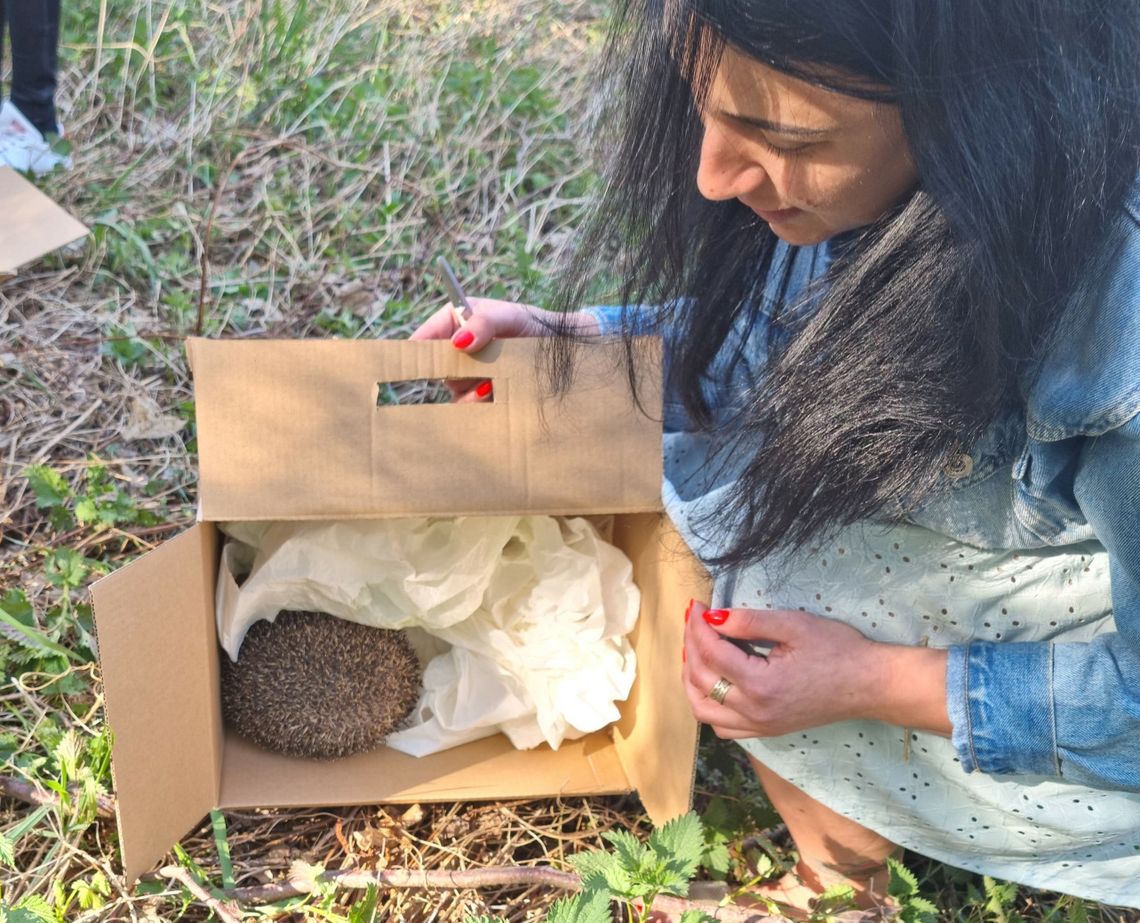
959,467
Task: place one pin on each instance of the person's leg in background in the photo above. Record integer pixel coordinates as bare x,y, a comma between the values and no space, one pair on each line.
27,118
3,33
33,29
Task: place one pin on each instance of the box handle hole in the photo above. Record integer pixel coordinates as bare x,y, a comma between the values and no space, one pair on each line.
430,391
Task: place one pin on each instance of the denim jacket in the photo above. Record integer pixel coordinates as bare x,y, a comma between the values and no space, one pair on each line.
1062,469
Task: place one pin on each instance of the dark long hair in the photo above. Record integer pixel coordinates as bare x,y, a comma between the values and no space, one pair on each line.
1022,119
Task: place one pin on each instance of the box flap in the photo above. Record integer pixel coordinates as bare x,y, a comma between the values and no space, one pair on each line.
159,660
657,735
33,224
291,429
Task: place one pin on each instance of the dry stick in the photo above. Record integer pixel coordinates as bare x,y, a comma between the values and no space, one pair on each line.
204,259
226,912
26,791
502,876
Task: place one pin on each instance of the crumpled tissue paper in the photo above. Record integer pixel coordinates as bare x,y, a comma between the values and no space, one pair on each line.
521,620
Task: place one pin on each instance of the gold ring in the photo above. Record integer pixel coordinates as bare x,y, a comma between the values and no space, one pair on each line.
719,692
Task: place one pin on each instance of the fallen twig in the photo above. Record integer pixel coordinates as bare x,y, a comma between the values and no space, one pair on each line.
225,911
33,794
494,877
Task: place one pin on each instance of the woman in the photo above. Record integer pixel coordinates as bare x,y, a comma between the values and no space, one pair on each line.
900,306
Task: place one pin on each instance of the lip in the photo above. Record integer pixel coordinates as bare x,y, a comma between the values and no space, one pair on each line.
778,215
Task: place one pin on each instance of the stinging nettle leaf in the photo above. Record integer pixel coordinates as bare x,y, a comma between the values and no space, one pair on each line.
681,842
600,870
584,907
7,851
903,882
627,848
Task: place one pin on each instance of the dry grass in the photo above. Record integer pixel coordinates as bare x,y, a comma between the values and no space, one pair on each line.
256,168
250,170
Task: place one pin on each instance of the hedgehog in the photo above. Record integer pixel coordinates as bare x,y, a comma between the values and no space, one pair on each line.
313,685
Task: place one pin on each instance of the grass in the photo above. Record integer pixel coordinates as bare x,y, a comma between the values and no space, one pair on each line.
282,169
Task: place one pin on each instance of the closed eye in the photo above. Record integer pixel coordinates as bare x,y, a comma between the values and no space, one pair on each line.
782,150
761,134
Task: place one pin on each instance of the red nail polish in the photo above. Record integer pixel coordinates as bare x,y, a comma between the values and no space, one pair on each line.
483,388
463,339
688,611
716,616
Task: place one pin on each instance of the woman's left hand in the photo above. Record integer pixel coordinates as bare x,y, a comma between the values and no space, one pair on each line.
819,671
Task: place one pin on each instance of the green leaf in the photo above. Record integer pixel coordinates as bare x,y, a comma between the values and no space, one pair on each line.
48,485
918,910
696,916
222,844
363,911
36,640
681,842
17,605
999,896
65,568
33,907
1077,912
601,871
903,882
836,898
717,860
23,826
627,848
7,852
583,907
86,511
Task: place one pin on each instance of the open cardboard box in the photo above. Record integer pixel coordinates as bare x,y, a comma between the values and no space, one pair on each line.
33,224
295,430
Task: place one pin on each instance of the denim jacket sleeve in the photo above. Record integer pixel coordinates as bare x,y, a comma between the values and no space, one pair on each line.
1069,710
640,319
1063,709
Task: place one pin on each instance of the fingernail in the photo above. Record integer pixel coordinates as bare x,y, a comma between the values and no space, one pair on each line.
688,610
682,655
716,616
483,388
463,339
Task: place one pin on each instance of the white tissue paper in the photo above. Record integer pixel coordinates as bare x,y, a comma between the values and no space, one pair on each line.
524,618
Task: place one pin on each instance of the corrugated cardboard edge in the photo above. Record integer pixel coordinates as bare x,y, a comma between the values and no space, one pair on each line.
159,661
33,224
657,736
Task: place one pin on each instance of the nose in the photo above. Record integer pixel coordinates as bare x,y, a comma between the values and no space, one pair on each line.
725,172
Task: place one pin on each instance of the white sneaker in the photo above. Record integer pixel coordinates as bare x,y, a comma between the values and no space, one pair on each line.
23,148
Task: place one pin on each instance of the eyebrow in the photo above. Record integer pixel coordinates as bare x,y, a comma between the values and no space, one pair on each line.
778,127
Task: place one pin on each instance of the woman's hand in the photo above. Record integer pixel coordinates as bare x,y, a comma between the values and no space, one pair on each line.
491,319
819,671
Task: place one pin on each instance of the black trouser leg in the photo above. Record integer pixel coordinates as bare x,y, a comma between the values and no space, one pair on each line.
33,31
3,29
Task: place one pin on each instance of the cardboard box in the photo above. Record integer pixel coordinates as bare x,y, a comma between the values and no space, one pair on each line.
294,430
33,224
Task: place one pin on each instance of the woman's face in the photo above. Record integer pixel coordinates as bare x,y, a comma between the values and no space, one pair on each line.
810,162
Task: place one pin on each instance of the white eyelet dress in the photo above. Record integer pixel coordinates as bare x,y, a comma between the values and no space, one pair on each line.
908,585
